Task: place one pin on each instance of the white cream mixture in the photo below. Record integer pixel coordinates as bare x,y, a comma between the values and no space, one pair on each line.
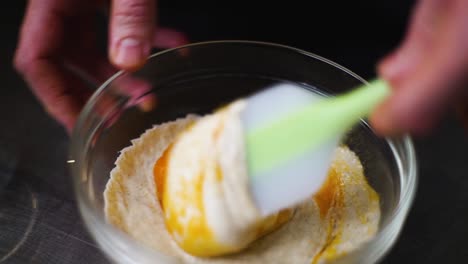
207,207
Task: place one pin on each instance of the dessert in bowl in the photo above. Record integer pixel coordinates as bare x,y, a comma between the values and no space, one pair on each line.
131,201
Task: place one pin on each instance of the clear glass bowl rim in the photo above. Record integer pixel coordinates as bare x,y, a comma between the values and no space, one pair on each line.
105,234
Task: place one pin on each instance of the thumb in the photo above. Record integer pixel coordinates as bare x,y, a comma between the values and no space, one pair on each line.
132,27
427,72
417,42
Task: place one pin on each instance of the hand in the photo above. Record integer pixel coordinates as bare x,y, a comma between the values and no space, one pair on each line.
429,71
58,35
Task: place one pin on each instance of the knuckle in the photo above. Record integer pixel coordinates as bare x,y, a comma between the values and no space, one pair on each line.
21,63
133,12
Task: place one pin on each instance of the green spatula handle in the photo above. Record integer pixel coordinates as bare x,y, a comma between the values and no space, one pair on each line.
303,129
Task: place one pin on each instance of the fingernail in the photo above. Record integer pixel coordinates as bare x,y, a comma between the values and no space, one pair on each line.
131,53
394,66
383,122
148,103
401,63
169,38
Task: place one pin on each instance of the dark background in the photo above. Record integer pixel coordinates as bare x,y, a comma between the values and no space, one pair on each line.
33,148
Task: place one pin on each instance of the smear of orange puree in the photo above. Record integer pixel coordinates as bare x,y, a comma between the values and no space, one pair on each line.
330,196
160,172
200,240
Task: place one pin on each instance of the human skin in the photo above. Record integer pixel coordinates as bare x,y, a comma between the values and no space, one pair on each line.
57,35
427,71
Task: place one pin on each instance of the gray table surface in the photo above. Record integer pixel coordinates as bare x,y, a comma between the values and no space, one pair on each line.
39,221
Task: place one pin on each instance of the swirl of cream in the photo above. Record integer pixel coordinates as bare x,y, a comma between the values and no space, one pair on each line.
204,189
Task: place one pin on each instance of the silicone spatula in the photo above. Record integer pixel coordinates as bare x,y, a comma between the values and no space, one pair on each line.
291,135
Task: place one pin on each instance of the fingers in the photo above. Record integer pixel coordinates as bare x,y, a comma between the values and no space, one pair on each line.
38,60
97,69
62,93
418,40
132,25
427,71
169,38
47,50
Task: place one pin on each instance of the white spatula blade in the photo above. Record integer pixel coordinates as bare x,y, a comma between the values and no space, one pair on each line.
298,179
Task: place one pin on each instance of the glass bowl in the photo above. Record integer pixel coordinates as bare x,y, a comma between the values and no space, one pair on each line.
198,78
